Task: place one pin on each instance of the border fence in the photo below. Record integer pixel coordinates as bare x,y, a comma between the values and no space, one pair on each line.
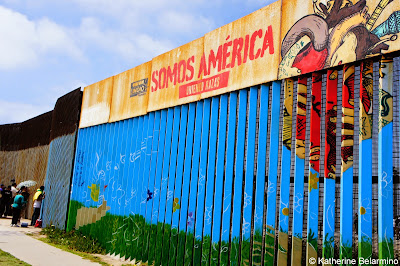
277,173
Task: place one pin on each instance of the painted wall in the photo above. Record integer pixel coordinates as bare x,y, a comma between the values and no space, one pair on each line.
277,173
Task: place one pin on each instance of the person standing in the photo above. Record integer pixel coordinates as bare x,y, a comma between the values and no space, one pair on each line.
19,202
1,198
5,206
14,191
25,194
37,204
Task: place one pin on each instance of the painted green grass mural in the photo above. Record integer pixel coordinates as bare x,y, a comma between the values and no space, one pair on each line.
119,234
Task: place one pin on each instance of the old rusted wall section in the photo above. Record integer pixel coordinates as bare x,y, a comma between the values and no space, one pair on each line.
24,147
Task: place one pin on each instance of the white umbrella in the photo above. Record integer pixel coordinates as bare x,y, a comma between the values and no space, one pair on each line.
28,183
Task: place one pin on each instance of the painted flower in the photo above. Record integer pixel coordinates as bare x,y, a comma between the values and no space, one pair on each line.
175,205
190,219
285,211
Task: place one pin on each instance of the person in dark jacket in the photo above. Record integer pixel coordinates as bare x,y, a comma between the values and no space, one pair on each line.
5,206
25,193
2,188
19,203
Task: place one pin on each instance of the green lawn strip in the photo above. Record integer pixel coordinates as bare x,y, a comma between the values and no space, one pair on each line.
74,242
8,259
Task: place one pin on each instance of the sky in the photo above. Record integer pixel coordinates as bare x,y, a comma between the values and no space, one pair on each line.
49,48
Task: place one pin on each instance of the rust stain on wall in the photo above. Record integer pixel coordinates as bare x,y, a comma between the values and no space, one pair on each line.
131,93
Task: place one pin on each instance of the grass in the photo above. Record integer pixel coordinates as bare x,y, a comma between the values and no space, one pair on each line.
74,242
386,249
131,236
155,244
8,259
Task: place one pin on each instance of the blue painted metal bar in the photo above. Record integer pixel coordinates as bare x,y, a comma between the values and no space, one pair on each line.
365,161
80,181
129,161
150,186
193,185
272,174
123,166
178,186
120,188
346,182
98,173
83,185
88,201
106,232
104,176
183,212
219,180
157,187
197,248
164,187
140,158
249,176
116,183
146,153
208,211
134,158
284,207
229,167
238,182
171,186
260,176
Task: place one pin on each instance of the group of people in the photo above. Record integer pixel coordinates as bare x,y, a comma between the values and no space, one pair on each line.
13,202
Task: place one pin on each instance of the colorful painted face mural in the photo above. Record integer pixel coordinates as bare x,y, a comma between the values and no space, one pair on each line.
339,31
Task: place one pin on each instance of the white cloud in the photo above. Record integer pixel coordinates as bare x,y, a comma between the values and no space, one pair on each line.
185,23
127,45
27,42
16,112
52,94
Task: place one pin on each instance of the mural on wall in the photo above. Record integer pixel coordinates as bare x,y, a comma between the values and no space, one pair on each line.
338,32
142,186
